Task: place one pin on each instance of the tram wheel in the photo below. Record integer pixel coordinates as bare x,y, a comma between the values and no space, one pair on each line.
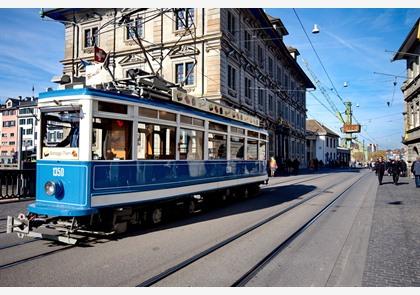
154,216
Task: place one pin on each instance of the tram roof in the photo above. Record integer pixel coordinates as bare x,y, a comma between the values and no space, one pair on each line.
148,101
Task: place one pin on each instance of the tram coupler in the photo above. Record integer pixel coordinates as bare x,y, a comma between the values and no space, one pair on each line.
22,226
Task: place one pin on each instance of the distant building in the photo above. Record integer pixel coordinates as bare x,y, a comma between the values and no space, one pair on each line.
323,140
9,132
372,148
27,116
410,51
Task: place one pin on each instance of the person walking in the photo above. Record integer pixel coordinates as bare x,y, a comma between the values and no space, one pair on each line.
273,166
415,169
395,170
380,169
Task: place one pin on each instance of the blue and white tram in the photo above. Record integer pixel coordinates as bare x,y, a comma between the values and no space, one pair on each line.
110,159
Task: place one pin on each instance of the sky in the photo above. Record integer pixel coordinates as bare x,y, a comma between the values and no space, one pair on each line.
352,45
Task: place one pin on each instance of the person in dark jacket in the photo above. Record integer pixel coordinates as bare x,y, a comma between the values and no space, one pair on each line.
380,169
395,170
415,169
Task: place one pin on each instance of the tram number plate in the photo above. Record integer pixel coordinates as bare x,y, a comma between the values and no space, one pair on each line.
58,172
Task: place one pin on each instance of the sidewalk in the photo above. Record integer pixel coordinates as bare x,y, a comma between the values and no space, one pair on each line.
393,257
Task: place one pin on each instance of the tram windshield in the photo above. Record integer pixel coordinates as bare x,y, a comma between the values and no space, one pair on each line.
60,134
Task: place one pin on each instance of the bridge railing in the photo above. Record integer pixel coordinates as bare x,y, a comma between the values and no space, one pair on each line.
17,184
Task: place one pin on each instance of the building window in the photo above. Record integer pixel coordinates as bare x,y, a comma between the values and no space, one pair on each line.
29,131
184,18
184,70
231,77
248,89
135,25
22,121
247,41
231,23
30,121
279,108
270,103
91,37
260,96
260,57
279,75
270,67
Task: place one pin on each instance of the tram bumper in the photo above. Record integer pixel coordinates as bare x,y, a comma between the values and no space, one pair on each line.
23,227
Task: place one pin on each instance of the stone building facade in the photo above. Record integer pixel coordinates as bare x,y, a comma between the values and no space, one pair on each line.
410,51
236,57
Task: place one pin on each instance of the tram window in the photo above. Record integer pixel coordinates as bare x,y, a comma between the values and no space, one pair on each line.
191,145
186,120
217,127
237,145
155,142
60,130
262,151
111,139
237,130
217,146
112,107
252,149
198,122
167,116
149,113
252,133
263,136
192,121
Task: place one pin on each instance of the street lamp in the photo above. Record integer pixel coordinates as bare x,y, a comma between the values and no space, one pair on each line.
315,30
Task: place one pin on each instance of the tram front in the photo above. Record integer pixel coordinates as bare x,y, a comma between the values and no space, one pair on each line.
62,169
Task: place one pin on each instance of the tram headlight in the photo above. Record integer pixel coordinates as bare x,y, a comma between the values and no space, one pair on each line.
53,188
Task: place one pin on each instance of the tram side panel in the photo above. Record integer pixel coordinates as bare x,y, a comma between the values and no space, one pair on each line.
115,183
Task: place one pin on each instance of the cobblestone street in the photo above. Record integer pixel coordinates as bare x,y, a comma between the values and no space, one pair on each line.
394,245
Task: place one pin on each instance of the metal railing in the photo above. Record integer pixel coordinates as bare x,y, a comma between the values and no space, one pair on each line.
18,184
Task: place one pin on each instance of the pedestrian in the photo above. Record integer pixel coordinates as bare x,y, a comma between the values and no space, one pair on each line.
380,169
395,170
415,169
273,166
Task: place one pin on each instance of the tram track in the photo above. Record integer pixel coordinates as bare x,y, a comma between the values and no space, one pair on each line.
182,265
38,256
252,272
